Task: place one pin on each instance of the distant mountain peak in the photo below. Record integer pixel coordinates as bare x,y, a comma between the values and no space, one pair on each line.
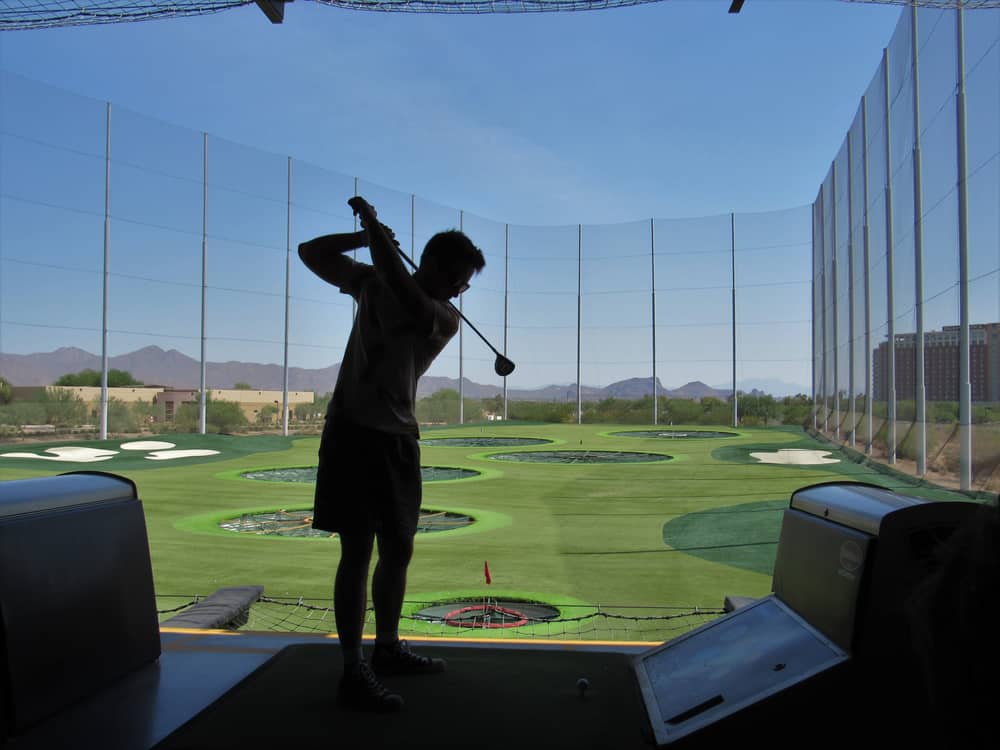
174,369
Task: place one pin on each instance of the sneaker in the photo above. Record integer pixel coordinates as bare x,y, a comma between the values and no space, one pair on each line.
398,659
360,689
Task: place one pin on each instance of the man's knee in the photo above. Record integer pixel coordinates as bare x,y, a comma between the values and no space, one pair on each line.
355,550
395,550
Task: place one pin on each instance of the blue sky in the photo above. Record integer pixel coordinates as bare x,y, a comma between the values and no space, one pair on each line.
674,109
669,109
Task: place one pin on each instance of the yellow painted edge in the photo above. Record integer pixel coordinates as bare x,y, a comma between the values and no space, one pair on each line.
370,638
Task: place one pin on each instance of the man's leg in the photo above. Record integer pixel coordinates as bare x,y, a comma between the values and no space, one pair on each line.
350,593
359,687
389,585
391,655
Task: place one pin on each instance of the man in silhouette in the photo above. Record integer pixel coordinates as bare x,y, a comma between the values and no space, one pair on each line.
368,484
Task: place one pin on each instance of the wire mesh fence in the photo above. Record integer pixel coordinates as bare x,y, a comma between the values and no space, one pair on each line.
475,618
906,305
196,235
199,260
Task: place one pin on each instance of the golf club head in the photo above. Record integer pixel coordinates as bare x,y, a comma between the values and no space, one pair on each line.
503,366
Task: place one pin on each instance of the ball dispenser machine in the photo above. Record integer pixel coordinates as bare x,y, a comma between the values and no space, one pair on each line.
848,556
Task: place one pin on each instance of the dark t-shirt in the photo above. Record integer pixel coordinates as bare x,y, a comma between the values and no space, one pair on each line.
385,356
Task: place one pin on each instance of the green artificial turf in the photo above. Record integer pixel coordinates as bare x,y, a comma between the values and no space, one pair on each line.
606,535
228,446
743,536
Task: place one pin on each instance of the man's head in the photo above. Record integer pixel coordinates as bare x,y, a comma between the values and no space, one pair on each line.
447,264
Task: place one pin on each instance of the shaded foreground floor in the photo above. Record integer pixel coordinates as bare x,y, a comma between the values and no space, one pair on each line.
215,689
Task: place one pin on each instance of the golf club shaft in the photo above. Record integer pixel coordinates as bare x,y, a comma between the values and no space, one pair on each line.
460,314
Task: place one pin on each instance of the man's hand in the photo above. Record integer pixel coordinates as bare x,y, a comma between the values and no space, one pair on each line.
363,209
389,233
369,220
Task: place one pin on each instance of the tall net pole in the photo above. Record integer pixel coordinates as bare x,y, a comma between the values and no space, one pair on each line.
579,314
920,390
652,299
104,295
203,402
964,364
288,290
732,253
461,327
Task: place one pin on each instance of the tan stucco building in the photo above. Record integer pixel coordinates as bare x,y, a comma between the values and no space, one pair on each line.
89,394
250,401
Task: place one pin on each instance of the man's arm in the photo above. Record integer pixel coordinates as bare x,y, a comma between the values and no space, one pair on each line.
389,265
324,256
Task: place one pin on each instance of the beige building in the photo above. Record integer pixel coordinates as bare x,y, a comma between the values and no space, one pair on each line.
89,394
250,401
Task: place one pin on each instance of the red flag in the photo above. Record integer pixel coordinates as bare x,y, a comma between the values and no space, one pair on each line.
486,571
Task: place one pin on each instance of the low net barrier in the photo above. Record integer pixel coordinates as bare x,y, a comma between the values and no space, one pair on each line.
475,618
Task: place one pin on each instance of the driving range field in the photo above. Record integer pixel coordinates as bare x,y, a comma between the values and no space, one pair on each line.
645,520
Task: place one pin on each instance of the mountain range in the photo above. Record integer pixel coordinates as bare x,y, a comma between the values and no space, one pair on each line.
155,366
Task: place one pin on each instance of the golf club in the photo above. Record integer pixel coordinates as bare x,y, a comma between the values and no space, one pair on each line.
502,366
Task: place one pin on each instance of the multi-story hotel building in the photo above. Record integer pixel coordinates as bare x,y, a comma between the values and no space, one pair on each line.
941,364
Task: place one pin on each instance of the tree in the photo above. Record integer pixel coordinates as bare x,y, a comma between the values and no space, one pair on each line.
542,411
63,408
268,413
303,412
494,404
473,410
220,416
121,379
440,406
757,410
225,416
92,379
796,409
322,403
23,412
5,391
679,411
715,411
146,412
120,417
241,386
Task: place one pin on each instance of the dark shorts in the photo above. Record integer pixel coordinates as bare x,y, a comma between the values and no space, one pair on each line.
367,481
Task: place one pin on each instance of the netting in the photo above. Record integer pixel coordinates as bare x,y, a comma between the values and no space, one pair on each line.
674,434
483,442
536,6
487,613
37,14
943,4
574,622
40,14
482,6
298,523
307,474
581,457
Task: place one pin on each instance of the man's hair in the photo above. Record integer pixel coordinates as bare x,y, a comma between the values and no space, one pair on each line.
453,249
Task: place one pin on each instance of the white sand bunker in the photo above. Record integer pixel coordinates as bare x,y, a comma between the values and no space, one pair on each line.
69,453
146,445
796,456
167,455
158,451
